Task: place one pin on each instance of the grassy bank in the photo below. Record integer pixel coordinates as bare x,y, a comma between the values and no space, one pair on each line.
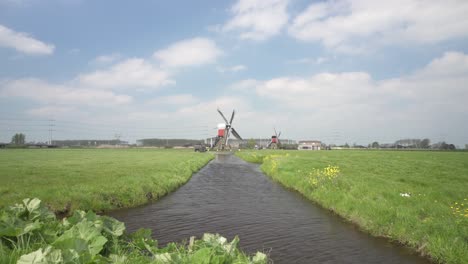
96,179
416,198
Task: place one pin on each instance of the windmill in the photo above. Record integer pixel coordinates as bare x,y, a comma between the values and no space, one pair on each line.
224,131
275,142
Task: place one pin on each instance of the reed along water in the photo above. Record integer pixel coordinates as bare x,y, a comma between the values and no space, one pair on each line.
232,197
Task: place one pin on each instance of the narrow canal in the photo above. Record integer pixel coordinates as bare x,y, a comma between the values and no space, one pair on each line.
232,197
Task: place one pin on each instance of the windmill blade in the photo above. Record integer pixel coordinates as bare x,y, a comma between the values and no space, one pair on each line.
227,132
226,141
221,113
275,132
269,144
232,116
234,132
279,135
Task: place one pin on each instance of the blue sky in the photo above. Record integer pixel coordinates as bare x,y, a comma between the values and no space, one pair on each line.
338,71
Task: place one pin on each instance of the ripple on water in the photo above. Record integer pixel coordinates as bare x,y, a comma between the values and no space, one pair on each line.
232,197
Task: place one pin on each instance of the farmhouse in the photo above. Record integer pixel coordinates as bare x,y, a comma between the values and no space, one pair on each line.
309,145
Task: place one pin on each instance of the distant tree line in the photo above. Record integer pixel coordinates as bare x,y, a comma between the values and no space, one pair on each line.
87,142
253,143
158,142
18,139
413,143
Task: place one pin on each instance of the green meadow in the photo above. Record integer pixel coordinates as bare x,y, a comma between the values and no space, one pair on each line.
417,198
96,179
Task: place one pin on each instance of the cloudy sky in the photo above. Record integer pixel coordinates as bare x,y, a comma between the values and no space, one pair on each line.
338,71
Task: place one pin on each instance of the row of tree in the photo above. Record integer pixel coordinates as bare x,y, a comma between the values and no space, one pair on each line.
414,144
18,139
159,142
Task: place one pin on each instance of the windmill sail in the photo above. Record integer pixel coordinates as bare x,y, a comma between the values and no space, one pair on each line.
221,113
274,142
224,132
234,132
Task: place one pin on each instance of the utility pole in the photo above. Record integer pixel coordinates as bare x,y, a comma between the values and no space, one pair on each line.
51,126
117,138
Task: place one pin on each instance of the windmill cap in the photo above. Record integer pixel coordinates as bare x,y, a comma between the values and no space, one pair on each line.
221,126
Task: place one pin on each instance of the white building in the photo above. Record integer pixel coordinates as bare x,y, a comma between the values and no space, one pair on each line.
309,145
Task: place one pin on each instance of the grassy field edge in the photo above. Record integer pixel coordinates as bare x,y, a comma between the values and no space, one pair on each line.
98,180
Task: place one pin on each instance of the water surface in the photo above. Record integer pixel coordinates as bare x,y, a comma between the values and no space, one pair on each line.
233,197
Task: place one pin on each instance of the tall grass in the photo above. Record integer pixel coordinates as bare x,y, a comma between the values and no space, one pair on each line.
96,179
416,198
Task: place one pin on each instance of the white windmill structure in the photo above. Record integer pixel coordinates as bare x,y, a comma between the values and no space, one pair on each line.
224,131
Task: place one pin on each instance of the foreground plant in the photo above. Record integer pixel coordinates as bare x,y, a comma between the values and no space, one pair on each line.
30,233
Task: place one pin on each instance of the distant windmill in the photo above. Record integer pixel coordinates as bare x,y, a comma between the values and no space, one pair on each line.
224,131
275,142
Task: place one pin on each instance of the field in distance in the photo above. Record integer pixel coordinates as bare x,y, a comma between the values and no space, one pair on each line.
97,179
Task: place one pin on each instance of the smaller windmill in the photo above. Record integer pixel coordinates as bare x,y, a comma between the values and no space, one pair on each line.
275,142
224,131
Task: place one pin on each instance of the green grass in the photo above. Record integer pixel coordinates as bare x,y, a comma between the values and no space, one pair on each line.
96,179
367,193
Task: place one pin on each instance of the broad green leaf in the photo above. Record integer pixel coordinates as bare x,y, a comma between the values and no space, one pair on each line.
142,240
35,210
76,244
10,231
201,256
32,204
76,217
163,258
18,209
259,258
97,244
113,226
10,225
54,257
70,256
29,227
117,259
37,257
86,232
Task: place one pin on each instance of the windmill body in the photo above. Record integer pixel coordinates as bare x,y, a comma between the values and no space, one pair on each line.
275,141
224,131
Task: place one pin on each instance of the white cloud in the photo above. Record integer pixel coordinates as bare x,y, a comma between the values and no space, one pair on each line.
354,101
325,90
442,81
131,73
178,99
258,19
348,25
318,60
24,43
245,85
189,52
48,111
208,108
57,94
232,69
105,59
